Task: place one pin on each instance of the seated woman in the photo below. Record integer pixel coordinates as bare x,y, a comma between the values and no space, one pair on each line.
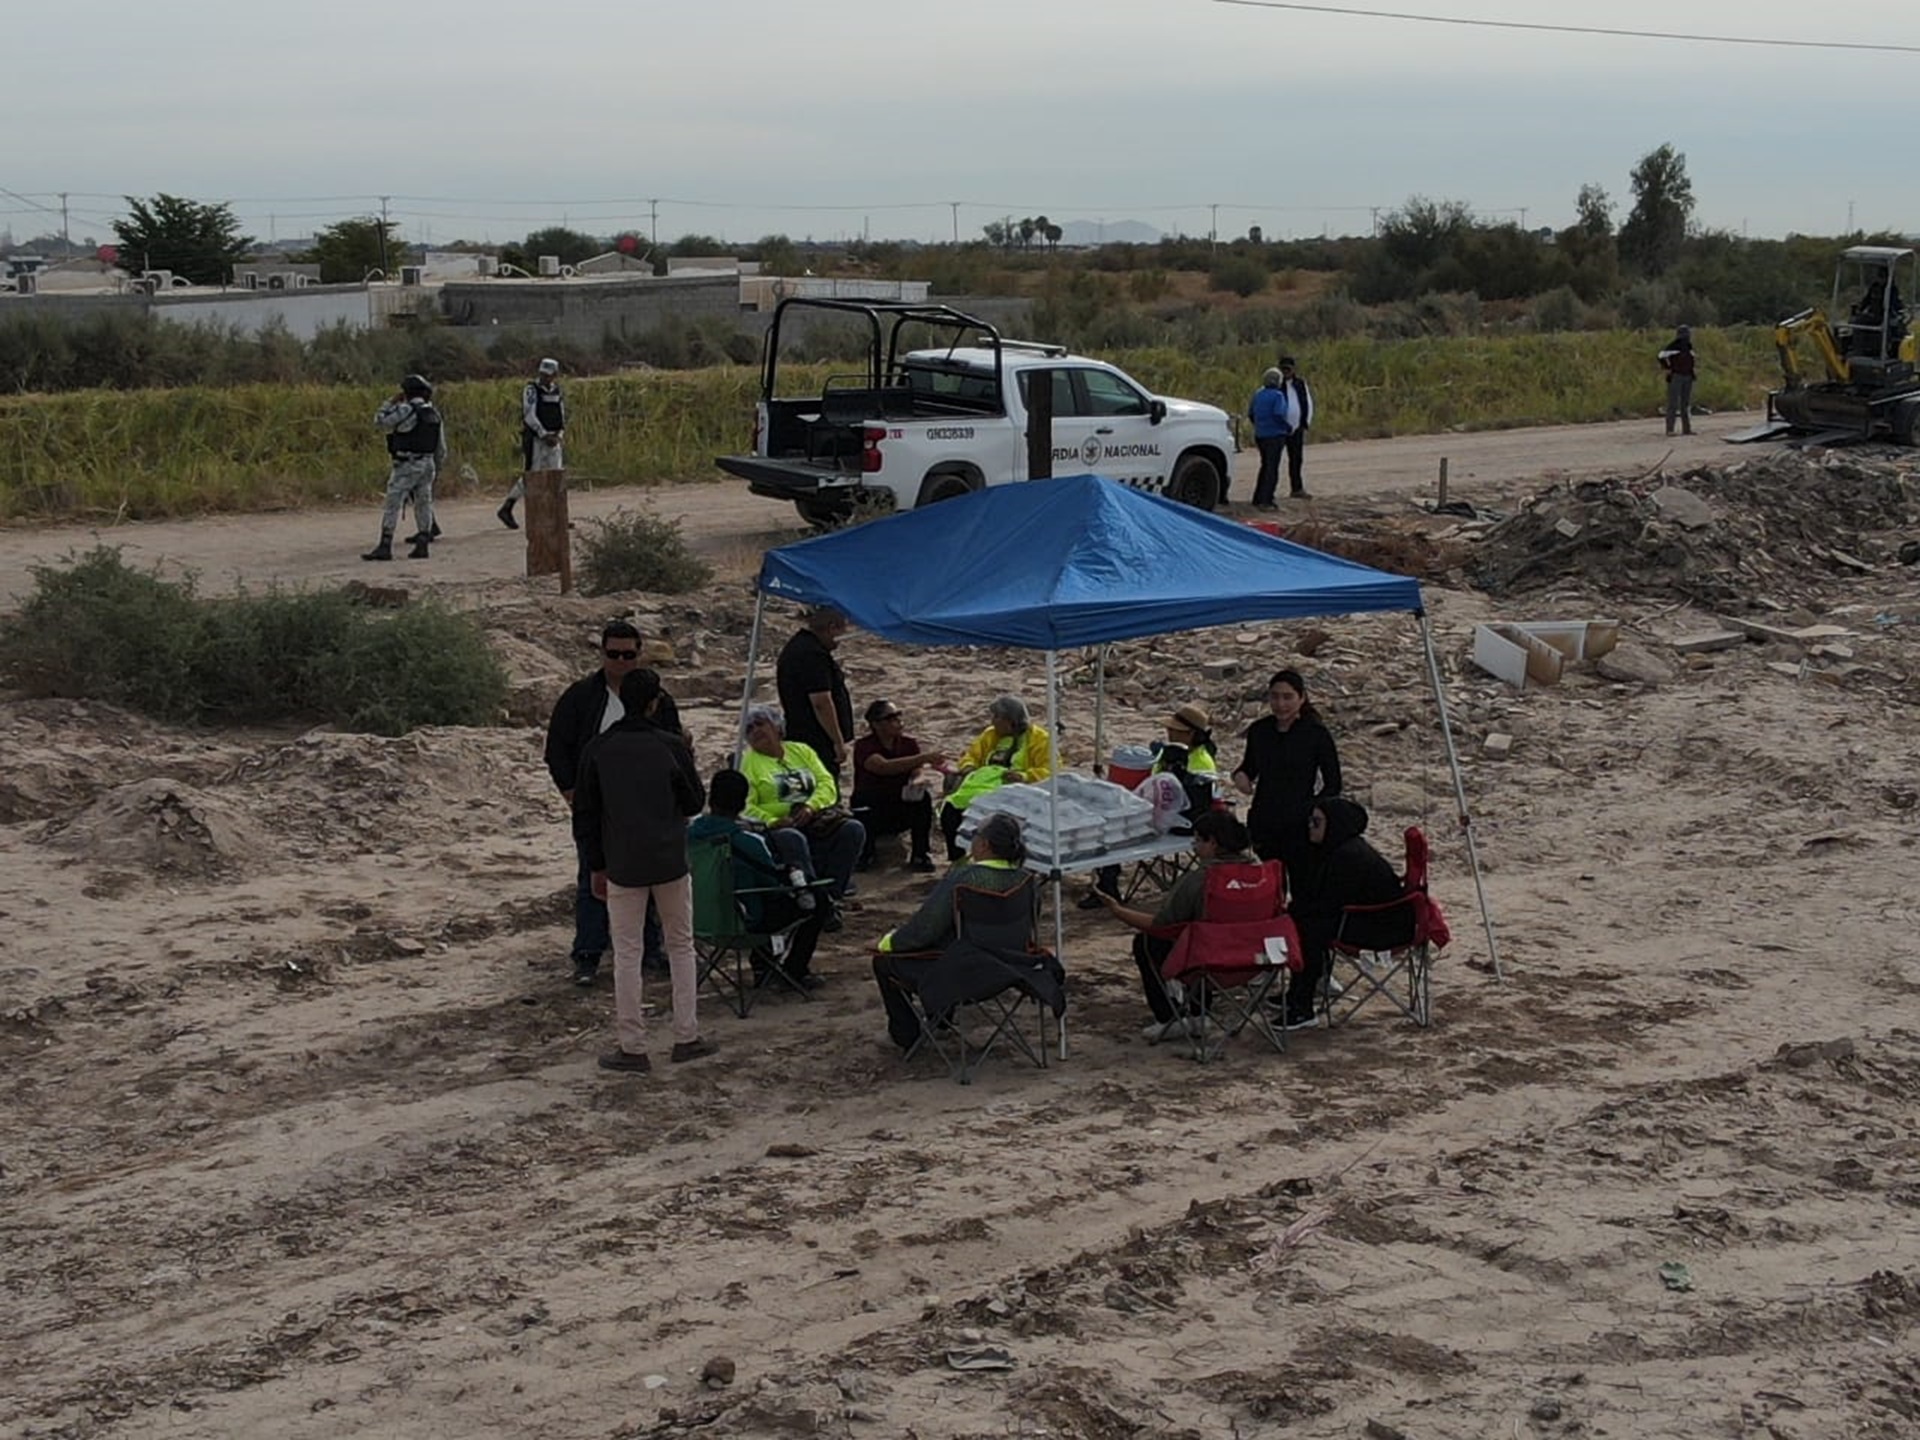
755,868
995,859
884,760
1218,839
1011,751
1188,748
794,796
1339,869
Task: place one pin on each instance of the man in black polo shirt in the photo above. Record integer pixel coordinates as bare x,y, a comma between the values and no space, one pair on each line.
813,691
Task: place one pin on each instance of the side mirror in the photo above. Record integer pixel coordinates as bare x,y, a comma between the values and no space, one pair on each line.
1156,410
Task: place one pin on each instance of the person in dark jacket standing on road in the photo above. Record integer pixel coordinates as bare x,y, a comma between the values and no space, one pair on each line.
543,426
1272,415
1339,869
1290,760
1302,402
637,790
813,688
591,706
417,443
1677,360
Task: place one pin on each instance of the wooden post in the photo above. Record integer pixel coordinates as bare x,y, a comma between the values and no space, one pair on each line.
1040,425
549,540
1443,480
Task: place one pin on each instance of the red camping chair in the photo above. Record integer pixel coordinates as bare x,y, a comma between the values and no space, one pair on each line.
1237,955
1389,948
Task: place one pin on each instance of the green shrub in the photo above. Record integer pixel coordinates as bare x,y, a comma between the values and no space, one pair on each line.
94,629
1558,310
639,550
1241,274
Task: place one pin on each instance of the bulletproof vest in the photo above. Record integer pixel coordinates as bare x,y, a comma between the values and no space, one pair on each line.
423,438
551,409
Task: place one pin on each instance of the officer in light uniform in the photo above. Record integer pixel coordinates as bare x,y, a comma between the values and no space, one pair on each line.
543,425
417,441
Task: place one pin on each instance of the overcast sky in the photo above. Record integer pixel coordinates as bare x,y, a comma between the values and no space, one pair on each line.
745,117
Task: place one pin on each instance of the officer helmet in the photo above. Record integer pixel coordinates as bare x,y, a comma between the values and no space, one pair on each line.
417,386
549,367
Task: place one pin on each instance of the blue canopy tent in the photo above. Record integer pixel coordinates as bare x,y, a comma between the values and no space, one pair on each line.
1074,561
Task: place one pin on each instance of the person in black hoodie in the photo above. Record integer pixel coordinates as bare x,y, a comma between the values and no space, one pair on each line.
637,788
1290,759
1339,869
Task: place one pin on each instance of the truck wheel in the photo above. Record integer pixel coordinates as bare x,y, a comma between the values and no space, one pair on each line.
1196,482
936,488
1906,423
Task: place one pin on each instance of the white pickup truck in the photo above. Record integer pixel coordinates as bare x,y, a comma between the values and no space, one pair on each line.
926,424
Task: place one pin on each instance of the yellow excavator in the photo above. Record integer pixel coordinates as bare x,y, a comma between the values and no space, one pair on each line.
1870,385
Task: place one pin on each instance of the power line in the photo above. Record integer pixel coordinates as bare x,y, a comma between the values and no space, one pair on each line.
1575,29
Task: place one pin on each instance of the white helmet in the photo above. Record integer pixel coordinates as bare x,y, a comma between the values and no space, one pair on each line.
549,366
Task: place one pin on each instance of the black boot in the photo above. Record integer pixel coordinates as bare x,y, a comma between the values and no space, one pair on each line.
505,512
382,551
419,550
435,533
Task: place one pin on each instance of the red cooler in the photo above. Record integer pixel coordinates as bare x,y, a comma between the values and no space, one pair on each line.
1130,765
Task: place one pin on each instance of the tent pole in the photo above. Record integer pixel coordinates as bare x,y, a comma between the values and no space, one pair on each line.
1053,822
753,656
1100,713
1459,791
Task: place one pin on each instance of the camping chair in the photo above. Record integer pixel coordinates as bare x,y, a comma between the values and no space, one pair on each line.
1236,955
1388,949
992,971
724,943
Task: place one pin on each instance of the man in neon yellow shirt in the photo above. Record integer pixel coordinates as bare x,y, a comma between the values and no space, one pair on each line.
794,795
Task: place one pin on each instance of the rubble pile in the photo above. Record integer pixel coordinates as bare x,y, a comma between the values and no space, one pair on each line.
1783,525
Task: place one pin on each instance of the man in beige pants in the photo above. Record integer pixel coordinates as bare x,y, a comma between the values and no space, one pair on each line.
637,788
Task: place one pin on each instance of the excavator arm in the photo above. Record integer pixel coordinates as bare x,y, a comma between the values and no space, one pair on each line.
1814,324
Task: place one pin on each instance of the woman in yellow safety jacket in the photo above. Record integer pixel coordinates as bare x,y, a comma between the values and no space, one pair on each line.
1010,751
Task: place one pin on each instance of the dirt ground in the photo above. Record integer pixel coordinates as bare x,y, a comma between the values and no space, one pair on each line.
302,1135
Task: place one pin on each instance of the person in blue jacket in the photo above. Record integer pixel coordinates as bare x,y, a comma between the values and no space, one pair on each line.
1271,411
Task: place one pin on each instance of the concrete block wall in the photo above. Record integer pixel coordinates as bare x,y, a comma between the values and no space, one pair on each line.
583,311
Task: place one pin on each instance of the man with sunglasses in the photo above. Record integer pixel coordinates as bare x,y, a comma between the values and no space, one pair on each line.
590,706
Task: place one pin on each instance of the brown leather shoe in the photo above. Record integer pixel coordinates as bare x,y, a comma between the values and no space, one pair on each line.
692,1050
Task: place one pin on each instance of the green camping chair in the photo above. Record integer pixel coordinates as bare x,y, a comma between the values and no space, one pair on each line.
724,944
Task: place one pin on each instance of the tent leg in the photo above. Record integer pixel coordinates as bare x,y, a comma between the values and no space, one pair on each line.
753,657
1053,822
1100,713
1459,792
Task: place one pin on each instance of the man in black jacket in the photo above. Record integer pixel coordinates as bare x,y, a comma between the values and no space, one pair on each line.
813,689
1301,395
590,706
636,789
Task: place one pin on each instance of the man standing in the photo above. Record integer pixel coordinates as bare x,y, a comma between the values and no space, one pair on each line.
417,443
637,789
591,706
1677,361
813,690
1302,405
1272,418
543,425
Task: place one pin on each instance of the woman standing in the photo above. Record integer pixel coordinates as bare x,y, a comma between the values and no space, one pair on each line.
1290,761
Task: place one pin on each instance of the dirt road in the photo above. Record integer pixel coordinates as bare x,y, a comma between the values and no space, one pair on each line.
323,546
301,1133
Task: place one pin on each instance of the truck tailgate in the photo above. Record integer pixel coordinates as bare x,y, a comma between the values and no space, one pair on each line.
783,479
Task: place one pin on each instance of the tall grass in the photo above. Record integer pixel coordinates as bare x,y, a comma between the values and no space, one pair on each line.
147,453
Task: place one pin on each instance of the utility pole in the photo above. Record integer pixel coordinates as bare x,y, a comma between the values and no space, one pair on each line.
1523,217
954,205
653,222
1374,212
1213,232
385,274
1849,217
66,239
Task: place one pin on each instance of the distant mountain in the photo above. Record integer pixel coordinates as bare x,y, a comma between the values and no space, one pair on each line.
1110,232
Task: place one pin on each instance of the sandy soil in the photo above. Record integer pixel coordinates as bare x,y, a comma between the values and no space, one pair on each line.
302,1134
